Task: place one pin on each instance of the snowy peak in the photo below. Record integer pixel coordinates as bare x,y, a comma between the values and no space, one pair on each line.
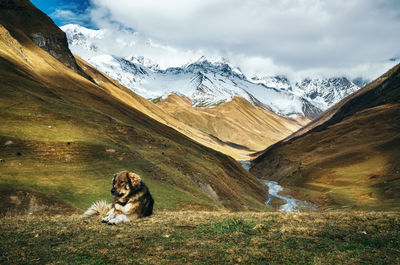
325,92
144,62
279,82
205,66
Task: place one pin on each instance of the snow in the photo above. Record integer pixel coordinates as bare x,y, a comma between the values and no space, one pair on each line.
206,82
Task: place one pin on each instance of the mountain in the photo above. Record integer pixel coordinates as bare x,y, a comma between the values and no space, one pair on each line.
65,133
207,83
349,155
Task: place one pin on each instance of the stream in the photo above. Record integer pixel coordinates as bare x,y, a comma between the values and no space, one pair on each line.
291,204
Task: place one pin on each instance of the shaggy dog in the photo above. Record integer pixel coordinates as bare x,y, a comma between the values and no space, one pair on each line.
132,199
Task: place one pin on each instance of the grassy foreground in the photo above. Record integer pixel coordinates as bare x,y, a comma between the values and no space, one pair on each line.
205,238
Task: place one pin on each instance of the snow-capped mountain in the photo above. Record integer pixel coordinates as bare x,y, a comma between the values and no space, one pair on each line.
208,83
325,92
321,92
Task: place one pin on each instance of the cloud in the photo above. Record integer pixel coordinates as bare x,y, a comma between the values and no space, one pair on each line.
288,35
71,12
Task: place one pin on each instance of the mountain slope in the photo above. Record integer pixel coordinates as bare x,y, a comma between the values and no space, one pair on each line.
347,156
237,123
63,136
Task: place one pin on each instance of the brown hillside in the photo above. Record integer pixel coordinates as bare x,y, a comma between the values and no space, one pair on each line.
237,124
349,155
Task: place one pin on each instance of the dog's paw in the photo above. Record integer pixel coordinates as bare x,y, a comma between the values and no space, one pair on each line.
108,218
118,219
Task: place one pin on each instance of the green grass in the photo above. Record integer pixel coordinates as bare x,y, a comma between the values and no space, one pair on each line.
80,183
205,238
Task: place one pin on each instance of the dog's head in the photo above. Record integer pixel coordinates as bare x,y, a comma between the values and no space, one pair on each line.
125,183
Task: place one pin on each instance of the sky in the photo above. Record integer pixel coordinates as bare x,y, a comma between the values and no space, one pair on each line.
262,37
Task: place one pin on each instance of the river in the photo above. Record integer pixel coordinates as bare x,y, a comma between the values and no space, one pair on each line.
291,204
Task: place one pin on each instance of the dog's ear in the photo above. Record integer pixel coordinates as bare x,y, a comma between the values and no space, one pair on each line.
135,179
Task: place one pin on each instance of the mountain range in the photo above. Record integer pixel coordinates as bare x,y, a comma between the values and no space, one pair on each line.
209,83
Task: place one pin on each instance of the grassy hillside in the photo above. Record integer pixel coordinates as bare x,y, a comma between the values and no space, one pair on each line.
205,238
237,124
63,136
349,155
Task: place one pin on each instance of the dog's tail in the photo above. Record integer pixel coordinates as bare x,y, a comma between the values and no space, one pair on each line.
98,208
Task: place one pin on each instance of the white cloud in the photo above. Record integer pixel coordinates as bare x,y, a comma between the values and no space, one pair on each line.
289,36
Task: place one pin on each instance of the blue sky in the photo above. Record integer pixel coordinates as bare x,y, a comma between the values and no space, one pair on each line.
66,11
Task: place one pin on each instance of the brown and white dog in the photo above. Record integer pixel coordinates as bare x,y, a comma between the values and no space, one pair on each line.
132,199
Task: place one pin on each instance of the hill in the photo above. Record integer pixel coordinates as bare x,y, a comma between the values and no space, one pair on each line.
349,155
63,135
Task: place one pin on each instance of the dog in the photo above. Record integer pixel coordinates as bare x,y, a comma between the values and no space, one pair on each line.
132,200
